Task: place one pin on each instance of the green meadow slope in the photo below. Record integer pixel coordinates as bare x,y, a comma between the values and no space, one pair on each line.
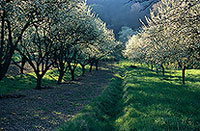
139,99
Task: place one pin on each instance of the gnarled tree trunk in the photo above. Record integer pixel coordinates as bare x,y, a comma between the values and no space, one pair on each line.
22,65
96,64
60,78
163,70
83,69
91,64
183,74
72,70
39,81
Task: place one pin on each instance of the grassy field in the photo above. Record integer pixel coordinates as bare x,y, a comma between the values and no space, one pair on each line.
139,99
27,81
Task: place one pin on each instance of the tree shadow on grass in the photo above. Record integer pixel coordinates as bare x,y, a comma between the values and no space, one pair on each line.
143,101
193,78
150,103
16,83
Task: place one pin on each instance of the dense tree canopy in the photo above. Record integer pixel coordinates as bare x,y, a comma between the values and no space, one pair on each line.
171,36
63,33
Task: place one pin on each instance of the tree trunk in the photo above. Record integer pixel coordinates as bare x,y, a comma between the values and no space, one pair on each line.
96,64
39,81
60,78
157,70
151,67
183,75
83,70
91,67
1,76
163,70
11,46
4,67
72,74
22,65
62,71
72,71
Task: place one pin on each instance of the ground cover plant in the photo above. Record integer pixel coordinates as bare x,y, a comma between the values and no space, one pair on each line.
99,115
47,109
12,84
139,99
154,102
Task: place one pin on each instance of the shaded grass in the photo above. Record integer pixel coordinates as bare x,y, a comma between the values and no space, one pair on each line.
99,115
139,99
28,81
16,83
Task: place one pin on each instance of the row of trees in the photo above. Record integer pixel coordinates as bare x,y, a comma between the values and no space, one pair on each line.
46,33
171,37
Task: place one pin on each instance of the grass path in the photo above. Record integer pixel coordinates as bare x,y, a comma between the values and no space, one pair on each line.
138,99
46,109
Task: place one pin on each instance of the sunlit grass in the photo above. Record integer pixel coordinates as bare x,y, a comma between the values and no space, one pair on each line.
13,84
99,115
153,103
28,81
144,100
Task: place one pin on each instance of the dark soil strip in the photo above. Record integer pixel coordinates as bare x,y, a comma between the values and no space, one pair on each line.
101,114
45,110
11,96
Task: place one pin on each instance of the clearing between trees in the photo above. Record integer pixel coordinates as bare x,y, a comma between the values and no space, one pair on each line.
136,98
140,99
48,108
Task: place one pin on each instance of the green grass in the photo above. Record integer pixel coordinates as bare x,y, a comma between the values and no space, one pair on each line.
13,84
28,81
152,103
53,74
100,115
139,99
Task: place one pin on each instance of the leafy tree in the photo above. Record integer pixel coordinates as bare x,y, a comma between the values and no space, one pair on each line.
62,32
37,45
79,39
38,50
16,16
67,28
172,34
